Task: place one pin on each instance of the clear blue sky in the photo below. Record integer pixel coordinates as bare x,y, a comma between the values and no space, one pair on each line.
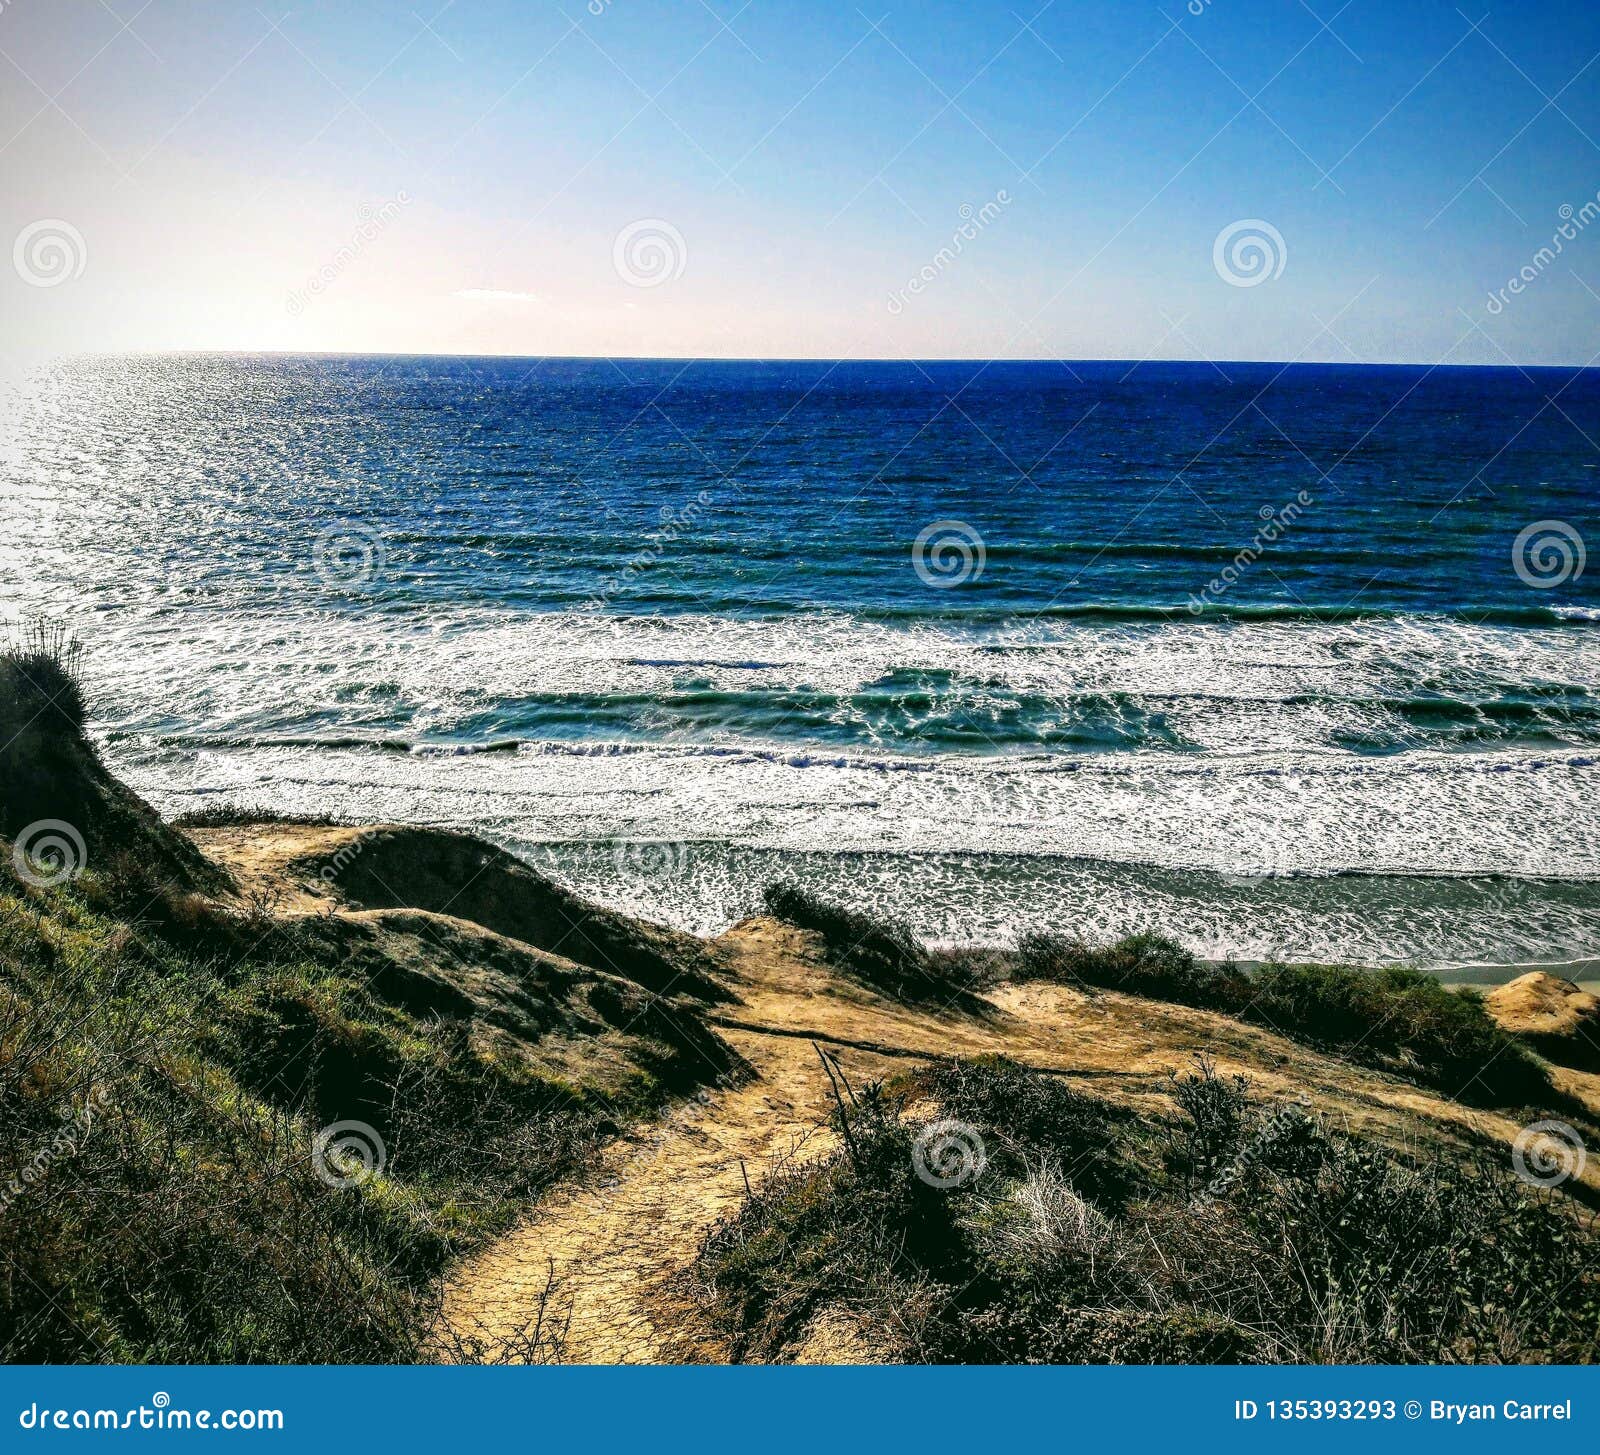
364,176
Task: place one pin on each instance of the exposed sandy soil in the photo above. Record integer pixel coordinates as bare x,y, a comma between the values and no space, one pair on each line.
1542,1003
258,856
620,1242
1559,1019
619,1250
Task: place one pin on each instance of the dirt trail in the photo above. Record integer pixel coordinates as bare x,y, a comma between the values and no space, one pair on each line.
619,1246
618,1243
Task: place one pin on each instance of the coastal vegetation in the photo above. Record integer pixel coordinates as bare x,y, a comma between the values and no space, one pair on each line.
1393,1018
229,1135
266,1081
883,952
979,1211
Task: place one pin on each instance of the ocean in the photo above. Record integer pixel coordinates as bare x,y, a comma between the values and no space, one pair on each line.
1295,660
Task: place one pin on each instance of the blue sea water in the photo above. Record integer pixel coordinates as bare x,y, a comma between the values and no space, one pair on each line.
1284,658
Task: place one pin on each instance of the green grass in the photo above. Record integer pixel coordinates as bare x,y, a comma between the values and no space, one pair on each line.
1074,1231
1394,1019
158,1115
231,815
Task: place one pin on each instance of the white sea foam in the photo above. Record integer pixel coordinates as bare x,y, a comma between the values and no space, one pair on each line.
1224,689
1262,787
981,849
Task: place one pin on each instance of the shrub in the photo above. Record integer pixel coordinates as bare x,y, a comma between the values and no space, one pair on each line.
1027,1117
1406,1020
1214,1109
42,749
1314,1247
232,815
1144,964
39,677
882,952
127,884
975,967
1396,1019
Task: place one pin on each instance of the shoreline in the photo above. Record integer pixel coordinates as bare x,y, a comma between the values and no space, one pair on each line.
1454,971
1584,972
1474,928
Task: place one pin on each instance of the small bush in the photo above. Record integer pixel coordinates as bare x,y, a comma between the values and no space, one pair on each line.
1395,1019
1304,1245
1027,1117
42,748
39,677
882,952
129,886
1214,1109
974,967
1144,964
233,815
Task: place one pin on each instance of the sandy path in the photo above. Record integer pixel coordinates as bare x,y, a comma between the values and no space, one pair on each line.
620,1243
617,1242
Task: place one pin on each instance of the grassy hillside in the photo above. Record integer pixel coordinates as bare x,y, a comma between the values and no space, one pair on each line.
975,1209
982,1212
233,1134
1395,1018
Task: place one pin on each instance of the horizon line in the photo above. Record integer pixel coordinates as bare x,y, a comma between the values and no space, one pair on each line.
806,359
